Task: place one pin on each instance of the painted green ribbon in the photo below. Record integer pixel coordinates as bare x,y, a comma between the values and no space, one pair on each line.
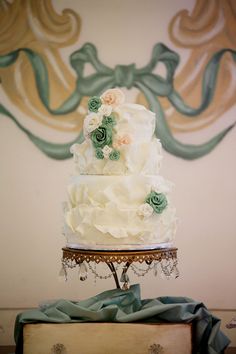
152,86
41,80
53,150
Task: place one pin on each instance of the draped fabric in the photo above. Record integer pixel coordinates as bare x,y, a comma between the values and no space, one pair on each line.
144,79
127,306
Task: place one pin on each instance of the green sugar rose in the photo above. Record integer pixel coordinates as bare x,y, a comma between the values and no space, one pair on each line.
101,136
157,201
109,120
99,154
94,104
114,155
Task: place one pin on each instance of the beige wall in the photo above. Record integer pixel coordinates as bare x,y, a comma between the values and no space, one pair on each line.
32,186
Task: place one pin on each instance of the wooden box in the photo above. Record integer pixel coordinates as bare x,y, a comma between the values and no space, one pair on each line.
107,338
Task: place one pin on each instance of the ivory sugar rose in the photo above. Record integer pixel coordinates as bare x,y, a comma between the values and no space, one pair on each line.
113,97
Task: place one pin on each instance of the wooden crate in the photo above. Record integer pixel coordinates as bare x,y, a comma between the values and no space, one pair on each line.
107,338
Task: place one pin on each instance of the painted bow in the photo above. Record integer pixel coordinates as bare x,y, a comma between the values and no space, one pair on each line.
124,75
149,83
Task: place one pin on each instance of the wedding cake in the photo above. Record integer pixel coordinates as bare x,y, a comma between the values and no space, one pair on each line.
117,200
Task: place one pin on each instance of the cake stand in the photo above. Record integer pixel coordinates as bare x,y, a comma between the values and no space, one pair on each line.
163,259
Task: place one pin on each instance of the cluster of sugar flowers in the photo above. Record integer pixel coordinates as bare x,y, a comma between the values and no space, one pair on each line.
99,124
155,202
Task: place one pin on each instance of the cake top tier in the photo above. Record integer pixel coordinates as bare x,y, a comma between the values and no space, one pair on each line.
119,138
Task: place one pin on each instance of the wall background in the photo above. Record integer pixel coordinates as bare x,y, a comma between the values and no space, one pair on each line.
33,187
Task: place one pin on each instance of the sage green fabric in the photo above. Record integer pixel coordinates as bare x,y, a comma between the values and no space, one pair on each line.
126,306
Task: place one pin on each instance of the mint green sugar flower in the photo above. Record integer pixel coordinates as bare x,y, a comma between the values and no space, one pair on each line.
114,155
99,154
157,201
109,120
101,137
94,104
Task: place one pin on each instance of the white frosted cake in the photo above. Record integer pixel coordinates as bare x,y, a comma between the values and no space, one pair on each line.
116,198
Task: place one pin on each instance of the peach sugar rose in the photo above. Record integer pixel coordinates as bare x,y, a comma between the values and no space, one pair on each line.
113,97
122,140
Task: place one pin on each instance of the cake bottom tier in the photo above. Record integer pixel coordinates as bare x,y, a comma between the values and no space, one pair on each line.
106,212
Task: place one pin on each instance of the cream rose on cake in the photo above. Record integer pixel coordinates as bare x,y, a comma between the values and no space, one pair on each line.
91,122
105,110
113,97
145,210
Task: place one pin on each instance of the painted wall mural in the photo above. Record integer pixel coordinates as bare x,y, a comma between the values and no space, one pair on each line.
35,78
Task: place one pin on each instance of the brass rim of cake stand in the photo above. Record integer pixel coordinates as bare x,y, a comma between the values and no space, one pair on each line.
80,255
110,257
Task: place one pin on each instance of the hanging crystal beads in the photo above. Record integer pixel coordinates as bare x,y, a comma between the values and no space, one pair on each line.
162,262
100,276
126,286
125,279
141,272
155,269
83,272
169,268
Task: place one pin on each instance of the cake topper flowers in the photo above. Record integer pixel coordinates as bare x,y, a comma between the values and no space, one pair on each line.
100,121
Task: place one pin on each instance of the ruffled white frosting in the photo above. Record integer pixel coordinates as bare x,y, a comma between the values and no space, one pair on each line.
105,210
107,206
142,158
135,120
143,154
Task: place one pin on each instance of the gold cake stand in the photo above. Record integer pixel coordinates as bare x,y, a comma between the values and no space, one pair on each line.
165,257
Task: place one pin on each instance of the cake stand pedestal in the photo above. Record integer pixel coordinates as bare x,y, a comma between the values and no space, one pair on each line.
164,258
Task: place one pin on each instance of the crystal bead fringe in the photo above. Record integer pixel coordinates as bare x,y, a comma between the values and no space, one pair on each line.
169,268
102,277
140,272
83,272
